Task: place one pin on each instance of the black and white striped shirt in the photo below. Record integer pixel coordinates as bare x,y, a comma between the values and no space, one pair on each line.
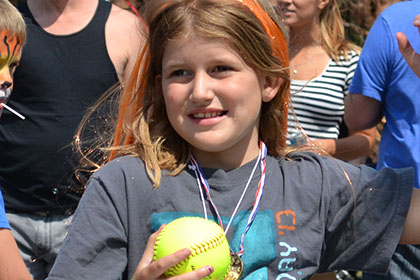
319,103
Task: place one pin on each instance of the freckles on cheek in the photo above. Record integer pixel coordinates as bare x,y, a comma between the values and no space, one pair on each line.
173,94
170,98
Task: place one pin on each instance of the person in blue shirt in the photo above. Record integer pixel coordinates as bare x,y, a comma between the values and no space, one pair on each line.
385,85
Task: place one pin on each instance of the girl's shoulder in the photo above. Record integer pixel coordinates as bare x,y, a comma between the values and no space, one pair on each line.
125,176
304,157
124,165
310,165
304,160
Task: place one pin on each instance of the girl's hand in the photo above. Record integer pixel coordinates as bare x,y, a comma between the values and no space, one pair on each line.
410,55
147,269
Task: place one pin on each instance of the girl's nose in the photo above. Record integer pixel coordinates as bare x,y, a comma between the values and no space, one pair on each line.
201,90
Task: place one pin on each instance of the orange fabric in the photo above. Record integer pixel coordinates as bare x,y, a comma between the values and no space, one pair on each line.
278,44
278,41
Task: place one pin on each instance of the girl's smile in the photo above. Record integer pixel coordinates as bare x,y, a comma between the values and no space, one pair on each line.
207,117
213,99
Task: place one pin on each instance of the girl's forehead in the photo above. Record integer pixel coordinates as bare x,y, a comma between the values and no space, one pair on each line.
198,43
10,44
197,37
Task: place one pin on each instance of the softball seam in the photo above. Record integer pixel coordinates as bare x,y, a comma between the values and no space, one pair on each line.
197,249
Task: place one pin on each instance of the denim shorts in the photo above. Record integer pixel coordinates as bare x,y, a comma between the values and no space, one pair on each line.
39,237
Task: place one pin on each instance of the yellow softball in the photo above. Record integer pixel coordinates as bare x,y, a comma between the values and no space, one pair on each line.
206,240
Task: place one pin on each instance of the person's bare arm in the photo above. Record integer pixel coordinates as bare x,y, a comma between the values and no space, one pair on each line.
357,144
11,263
124,39
410,55
411,231
362,112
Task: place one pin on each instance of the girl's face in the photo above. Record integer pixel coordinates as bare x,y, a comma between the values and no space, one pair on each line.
213,100
301,13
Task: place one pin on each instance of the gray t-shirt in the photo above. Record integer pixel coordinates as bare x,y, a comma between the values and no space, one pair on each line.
316,214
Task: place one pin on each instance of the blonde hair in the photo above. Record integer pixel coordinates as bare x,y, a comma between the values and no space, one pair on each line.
333,38
12,20
143,129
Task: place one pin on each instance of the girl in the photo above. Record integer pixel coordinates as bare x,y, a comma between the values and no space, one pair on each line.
201,132
322,66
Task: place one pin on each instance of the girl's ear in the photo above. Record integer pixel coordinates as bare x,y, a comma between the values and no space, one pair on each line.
271,87
158,83
323,3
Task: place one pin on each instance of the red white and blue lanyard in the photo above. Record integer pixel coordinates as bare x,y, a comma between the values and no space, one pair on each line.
202,182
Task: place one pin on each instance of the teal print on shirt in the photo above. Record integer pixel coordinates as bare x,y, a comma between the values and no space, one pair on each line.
259,243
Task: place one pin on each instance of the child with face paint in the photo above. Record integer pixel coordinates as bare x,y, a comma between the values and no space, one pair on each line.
201,132
12,38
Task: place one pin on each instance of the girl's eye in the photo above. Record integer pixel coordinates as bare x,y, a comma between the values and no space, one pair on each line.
222,68
179,73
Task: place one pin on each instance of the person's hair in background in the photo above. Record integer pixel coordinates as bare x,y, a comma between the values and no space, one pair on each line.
333,37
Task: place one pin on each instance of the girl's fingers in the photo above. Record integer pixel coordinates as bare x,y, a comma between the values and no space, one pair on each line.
155,269
148,252
149,269
200,273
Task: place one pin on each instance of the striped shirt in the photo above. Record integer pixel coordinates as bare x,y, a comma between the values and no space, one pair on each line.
317,106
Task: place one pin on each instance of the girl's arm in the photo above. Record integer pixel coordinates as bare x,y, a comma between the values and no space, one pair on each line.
411,231
11,263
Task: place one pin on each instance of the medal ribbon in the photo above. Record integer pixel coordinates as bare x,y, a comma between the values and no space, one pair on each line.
258,195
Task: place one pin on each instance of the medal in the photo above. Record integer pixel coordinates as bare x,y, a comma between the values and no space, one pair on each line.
236,268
